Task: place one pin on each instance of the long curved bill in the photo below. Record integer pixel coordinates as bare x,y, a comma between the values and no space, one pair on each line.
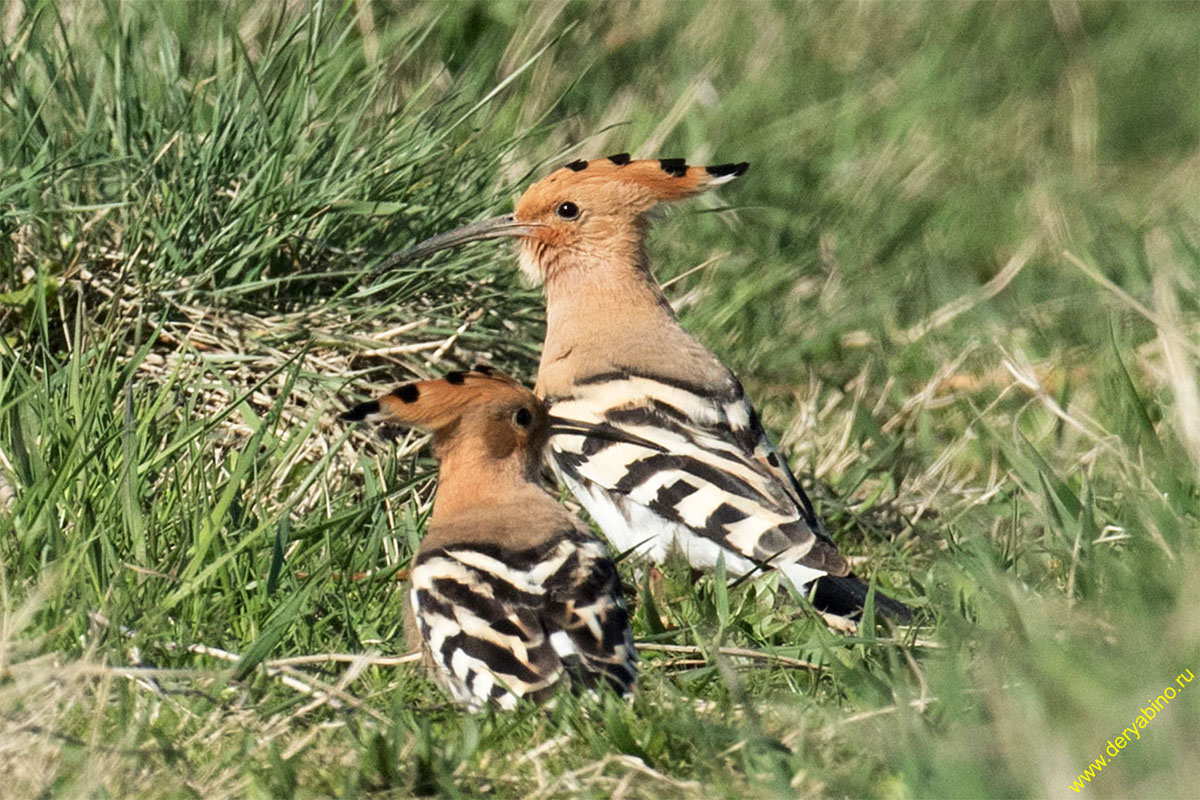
494,228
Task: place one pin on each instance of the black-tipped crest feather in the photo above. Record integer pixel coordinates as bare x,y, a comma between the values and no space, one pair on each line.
675,167
720,170
361,411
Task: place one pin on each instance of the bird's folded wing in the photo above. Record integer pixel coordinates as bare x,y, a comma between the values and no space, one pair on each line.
479,617
587,614
494,618
693,456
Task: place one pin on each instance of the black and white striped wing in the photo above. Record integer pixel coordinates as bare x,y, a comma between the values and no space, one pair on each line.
694,457
587,611
503,624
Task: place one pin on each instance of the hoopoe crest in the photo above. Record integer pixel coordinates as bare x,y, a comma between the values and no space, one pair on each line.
649,430
510,593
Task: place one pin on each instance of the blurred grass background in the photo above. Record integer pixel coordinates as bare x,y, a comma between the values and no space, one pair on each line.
960,280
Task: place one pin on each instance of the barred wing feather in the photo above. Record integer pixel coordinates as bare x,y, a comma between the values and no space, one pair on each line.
503,624
696,458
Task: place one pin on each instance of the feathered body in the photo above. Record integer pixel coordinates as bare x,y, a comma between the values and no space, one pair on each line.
510,592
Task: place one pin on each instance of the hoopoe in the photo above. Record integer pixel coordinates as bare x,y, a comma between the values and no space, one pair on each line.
510,591
649,430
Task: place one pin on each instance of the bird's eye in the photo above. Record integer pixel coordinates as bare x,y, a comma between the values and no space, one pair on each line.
567,210
522,417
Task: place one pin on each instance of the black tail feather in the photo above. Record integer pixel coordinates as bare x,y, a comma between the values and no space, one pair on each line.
846,596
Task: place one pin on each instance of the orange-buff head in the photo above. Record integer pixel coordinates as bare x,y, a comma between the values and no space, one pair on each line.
586,210
482,412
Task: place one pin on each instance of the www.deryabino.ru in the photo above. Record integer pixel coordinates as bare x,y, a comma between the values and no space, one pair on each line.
1115,746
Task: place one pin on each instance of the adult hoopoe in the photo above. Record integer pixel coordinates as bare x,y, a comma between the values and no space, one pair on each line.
649,430
510,591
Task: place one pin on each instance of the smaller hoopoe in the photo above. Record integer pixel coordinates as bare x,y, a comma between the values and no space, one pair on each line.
510,591
653,435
